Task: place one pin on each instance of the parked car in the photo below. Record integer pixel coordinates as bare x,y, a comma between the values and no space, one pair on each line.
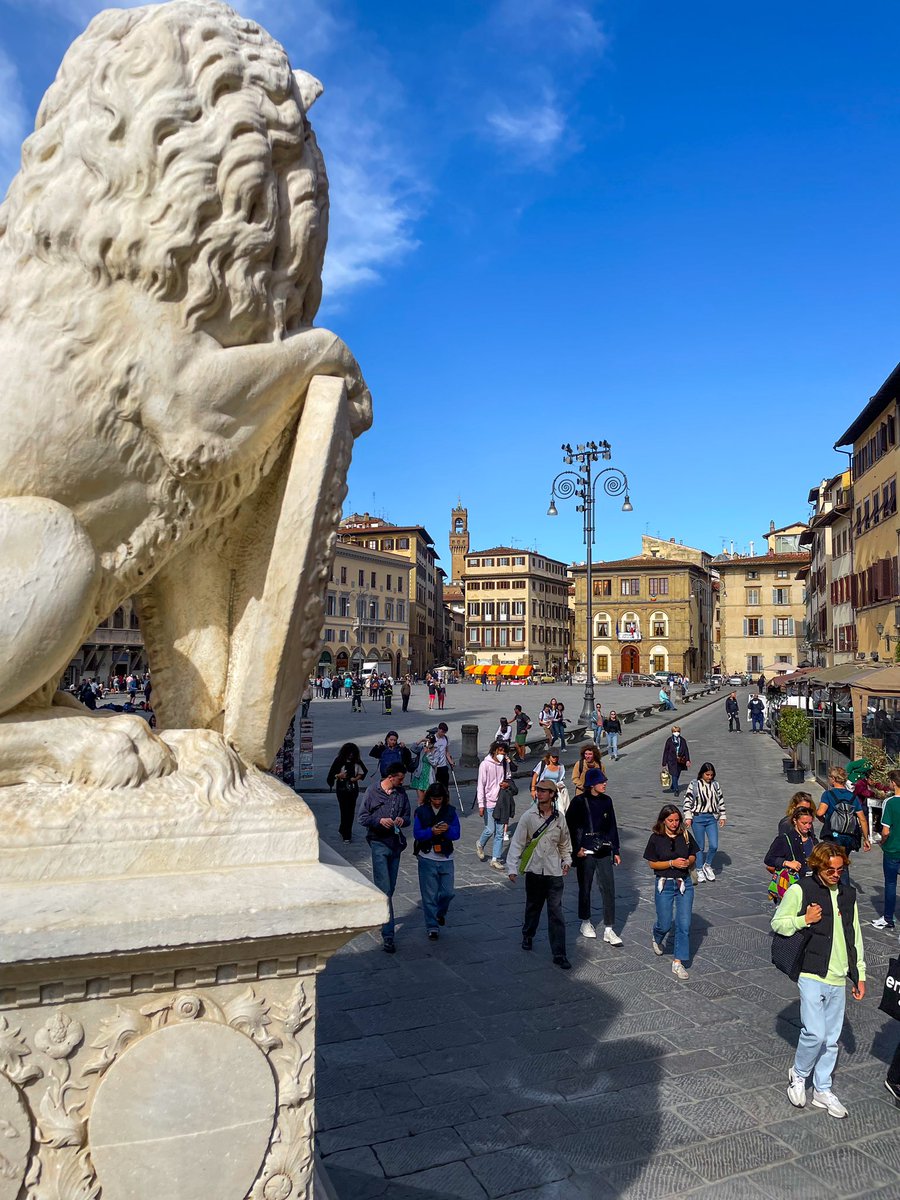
661,676
716,680
735,680
548,679
635,679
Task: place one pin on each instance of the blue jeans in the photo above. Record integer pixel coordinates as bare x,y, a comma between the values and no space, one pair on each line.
822,1014
598,736
705,828
669,706
436,886
492,830
756,722
668,898
558,730
385,865
891,868
613,742
676,775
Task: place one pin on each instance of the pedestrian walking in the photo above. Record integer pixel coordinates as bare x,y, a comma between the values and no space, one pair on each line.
595,849
422,772
493,777
504,734
612,727
733,709
824,907
597,726
405,693
756,713
558,727
384,812
552,769
671,853
441,692
843,817
345,775
588,759
704,816
523,724
387,696
356,693
801,801
546,718
542,847
431,684
790,850
890,857
435,829
390,752
761,684
441,758
676,757
305,701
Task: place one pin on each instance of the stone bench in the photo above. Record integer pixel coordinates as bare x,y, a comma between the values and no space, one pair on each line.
645,710
627,716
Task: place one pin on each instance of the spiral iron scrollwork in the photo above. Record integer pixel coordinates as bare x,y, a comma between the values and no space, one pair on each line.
614,483
566,484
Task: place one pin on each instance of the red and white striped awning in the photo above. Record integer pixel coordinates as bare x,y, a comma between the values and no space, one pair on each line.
509,672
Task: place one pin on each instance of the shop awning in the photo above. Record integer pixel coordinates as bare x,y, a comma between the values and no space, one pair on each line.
494,670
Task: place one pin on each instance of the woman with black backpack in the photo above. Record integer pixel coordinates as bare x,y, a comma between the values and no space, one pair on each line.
345,775
843,816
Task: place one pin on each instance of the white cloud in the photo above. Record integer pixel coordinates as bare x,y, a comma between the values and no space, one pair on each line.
14,122
551,26
533,132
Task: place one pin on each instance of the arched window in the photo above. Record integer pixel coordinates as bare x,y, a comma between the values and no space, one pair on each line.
659,625
602,662
602,625
659,659
629,627
459,526
119,618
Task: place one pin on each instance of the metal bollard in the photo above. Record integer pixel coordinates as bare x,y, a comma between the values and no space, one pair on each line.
469,755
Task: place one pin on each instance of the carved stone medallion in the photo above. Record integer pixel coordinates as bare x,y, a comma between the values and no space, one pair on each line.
187,1111
15,1139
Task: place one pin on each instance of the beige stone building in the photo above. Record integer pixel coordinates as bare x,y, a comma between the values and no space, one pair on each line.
416,545
116,647
366,611
830,628
761,612
876,530
651,612
517,609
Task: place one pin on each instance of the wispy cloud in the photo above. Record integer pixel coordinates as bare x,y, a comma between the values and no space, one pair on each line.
532,133
14,123
569,28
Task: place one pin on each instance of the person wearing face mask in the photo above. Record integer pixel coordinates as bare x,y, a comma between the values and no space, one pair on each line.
493,779
671,853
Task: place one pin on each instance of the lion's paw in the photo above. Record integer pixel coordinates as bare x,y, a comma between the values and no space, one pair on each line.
122,752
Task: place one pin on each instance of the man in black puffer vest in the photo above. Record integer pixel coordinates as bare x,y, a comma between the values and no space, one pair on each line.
824,907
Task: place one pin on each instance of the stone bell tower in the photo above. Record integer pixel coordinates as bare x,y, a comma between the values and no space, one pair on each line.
459,541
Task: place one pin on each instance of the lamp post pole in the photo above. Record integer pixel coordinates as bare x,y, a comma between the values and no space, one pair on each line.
582,483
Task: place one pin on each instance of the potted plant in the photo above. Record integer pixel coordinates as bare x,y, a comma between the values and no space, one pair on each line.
793,730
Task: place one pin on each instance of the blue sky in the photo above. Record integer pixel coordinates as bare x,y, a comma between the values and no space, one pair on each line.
673,226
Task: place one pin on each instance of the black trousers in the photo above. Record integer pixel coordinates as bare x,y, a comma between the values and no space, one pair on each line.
538,890
601,868
893,1075
442,775
734,720
405,700
347,804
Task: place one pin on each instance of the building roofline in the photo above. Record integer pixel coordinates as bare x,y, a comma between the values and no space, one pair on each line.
640,560
886,394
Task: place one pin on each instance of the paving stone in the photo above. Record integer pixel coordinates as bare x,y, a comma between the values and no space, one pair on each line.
791,1179
525,1167
451,1182
437,1116
651,1179
545,1124
657,1131
360,1161
358,1052
734,1155
615,1143
689,1062
718,1116
739,1188
847,1170
432,1149
454,1085
485,1134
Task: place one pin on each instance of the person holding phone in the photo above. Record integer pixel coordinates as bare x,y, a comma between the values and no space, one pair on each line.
435,829
595,849
671,853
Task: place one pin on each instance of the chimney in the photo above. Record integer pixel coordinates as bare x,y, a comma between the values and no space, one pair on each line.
751,549
771,527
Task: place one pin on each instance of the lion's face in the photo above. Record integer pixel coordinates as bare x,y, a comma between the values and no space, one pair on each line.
173,152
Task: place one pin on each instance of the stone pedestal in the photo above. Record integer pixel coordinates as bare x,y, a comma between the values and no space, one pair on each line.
158,969
469,751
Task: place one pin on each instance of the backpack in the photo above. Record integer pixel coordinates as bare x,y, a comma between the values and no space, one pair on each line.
841,823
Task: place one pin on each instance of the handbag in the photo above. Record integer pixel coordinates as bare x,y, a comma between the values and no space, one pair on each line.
890,999
665,778
788,952
592,842
782,880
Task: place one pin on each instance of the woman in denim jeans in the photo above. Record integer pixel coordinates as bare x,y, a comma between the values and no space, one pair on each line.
671,853
613,727
704,815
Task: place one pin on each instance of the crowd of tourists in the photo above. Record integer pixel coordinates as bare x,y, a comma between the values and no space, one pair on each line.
568,820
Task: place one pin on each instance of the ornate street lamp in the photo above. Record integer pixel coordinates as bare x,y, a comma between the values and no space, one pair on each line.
582,483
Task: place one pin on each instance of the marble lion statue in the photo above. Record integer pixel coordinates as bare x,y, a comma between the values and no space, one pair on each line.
161,252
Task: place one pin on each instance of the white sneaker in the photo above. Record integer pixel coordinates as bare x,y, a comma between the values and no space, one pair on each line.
881,923
479,850
610,935
587,930
709,874
830,1102
498,865
796,1092
679,971
657,948
700,876
506,837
